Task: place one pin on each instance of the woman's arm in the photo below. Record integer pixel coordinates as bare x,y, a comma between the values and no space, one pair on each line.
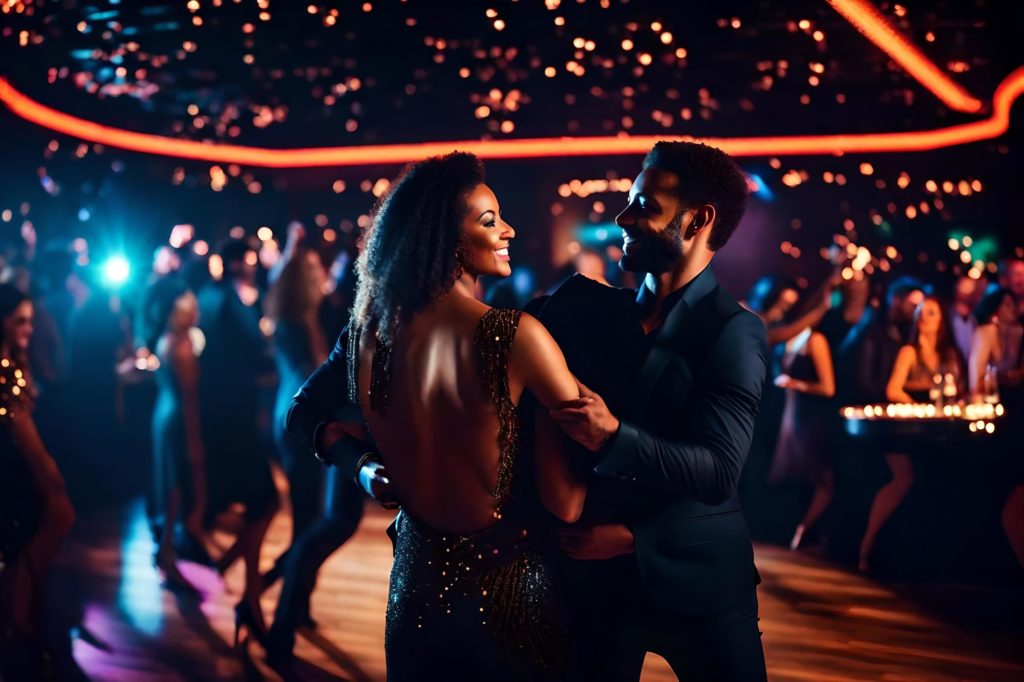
57,513
780,333
821,356
898,379
537,364
982,347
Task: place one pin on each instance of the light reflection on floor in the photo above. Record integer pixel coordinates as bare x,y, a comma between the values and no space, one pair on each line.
139,593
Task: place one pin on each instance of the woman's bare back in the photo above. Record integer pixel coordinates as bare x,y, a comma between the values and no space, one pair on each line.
439,433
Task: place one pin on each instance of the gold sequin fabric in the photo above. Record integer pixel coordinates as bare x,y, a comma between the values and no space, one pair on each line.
20,502
380,372
492,344
15,393
486,605
482,606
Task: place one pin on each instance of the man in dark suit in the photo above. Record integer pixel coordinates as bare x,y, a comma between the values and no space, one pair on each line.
662,558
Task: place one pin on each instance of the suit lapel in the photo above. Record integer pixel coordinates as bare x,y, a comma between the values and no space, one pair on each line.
662,350
671,340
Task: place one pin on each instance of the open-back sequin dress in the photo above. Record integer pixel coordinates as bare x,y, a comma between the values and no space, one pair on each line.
487,605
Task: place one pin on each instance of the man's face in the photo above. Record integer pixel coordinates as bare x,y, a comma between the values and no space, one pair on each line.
967,291
1014,279
652,223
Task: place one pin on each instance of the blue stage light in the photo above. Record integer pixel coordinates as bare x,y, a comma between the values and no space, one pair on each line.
761,190
116,270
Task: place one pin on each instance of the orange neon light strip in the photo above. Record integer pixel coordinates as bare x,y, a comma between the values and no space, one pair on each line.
920,140
878,30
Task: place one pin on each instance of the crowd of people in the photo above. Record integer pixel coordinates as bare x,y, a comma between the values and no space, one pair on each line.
215,361
222,358
911,346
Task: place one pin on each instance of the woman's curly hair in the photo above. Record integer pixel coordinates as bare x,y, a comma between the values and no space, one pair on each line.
412,250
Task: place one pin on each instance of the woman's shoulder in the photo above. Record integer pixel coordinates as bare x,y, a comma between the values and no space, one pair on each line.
988,330
907,353
171,348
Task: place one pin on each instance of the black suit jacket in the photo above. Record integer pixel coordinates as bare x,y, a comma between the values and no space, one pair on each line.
686,427
322,399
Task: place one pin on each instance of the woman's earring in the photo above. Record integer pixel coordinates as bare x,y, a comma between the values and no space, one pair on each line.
458,265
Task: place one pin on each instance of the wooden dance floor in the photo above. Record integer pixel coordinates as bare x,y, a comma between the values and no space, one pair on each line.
820,622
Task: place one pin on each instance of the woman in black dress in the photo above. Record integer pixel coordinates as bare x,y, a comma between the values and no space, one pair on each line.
803,449
35,512
179,458
474,592
235,368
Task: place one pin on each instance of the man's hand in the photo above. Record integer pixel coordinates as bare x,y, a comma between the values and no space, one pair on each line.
373,478
587,419
595,543
332,432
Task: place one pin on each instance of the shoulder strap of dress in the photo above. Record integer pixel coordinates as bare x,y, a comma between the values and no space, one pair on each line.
492,344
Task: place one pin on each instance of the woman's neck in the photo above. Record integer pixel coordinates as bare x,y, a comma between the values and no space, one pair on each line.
928,343
465,286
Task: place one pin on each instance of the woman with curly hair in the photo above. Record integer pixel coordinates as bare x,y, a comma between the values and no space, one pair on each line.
438,376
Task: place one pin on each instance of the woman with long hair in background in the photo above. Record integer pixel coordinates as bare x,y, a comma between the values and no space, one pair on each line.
931,353
179,457
293,304
35,511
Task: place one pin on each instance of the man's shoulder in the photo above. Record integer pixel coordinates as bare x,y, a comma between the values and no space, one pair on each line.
581,285
734,317
580,297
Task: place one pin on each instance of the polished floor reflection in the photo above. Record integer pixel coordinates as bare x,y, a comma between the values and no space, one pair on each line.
821,622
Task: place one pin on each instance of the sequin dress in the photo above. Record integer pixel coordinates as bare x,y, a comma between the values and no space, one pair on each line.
487,605
21,501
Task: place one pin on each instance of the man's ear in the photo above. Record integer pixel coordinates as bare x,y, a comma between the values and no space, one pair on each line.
703,217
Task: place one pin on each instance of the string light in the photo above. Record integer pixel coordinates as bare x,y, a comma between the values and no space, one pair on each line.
988,128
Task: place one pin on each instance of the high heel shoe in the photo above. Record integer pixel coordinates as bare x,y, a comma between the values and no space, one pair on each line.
280,646
173,580
246,617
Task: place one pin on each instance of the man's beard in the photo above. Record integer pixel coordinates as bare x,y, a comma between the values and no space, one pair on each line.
656,253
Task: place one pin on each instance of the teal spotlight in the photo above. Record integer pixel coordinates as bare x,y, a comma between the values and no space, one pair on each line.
116,270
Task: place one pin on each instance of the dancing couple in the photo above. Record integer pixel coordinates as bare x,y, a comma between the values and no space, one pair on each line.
566,480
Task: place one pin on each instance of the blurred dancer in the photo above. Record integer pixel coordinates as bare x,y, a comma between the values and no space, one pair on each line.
233,369
994,374
35,511
803,449
179,458
931,352
293,303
